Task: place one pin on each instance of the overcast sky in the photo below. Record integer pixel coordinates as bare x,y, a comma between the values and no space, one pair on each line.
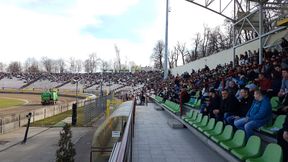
77,28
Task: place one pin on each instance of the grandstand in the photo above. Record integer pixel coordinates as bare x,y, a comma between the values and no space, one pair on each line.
231,106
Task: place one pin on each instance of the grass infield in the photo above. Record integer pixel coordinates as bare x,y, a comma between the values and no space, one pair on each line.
9,102
51,121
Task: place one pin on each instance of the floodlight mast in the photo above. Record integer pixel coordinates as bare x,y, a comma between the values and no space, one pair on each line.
166,42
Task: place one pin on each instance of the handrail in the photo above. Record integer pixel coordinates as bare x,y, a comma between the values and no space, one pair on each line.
125,149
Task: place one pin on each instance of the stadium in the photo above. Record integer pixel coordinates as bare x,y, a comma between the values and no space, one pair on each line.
224,100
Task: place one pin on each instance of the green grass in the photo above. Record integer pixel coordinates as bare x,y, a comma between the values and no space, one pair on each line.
51,121
7,102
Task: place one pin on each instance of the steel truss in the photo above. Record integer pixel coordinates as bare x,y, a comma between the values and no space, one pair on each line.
248,19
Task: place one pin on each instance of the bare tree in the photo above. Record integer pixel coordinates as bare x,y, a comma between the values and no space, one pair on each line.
182,50
55,66
61,65
171,59
157,54
2,67
14,67
87,66
90,64
31,65
72,67
79,64
47,64
194,52
104,66
118,59
204,41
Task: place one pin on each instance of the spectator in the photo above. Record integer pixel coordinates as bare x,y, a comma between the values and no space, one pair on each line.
275,84
258,115
214,104
229,105
282,139
284,85
244,106
264,83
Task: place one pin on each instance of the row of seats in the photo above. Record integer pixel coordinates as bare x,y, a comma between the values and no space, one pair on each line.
233,142
270,129
171,106
194,102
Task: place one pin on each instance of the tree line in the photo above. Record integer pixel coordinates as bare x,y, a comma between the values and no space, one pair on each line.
212,40
91,64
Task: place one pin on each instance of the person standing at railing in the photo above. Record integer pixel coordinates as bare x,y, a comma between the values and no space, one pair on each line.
184,97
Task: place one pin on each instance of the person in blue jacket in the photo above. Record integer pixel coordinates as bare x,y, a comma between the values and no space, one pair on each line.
258,115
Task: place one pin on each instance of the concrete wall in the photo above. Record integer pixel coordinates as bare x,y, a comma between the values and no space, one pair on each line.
213,60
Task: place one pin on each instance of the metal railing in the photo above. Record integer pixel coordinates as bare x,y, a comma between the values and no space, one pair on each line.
123,151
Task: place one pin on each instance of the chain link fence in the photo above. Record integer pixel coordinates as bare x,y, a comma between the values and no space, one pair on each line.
94,107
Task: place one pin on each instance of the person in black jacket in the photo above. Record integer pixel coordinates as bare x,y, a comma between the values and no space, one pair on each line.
282,139
229,105
244,106
214,104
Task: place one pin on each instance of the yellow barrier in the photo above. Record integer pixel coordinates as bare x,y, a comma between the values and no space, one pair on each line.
282,22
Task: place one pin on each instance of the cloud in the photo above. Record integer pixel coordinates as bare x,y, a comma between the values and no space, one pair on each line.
36,28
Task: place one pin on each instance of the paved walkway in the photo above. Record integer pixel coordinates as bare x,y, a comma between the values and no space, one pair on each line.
42,145
156,141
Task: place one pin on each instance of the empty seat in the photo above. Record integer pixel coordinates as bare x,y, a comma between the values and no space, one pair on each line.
191,102
237,141
278,124
198,119
216,131
225,135
209,126
188,115
275,103
250,150
203,122
158,99
173,107
273,152
194,117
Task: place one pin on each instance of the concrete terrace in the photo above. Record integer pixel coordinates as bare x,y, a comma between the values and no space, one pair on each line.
156,141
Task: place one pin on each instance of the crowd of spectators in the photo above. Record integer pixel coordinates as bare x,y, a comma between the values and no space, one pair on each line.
87,79
237,95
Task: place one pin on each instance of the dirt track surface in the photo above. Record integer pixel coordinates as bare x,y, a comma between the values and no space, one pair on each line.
34,102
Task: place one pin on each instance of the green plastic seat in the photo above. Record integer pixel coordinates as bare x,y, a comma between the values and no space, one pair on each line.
225,135
192,102
237,141
202,123
250,150
209,126
197,104
188,115
194,117
158,99
173,107
275,103
273,153
198,120
216,131
277,125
